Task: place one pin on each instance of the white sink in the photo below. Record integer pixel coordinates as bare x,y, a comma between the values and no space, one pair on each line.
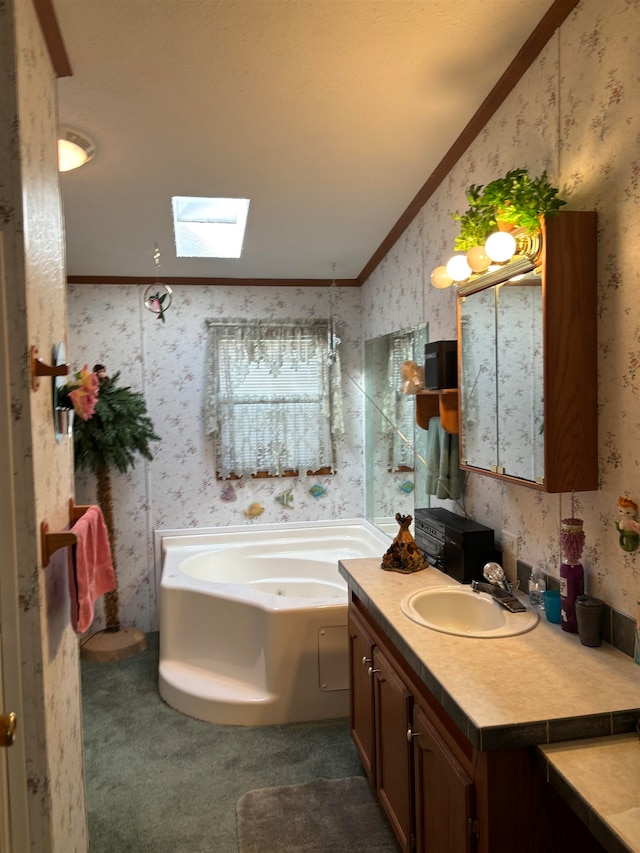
460,611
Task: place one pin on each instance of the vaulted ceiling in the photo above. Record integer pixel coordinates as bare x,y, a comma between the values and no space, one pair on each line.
329,115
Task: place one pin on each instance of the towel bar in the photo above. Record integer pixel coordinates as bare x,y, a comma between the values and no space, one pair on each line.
51,542
38,368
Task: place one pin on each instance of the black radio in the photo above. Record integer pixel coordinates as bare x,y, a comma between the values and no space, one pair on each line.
453,544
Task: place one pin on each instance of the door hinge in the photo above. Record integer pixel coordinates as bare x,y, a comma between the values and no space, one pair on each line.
412,842
474,830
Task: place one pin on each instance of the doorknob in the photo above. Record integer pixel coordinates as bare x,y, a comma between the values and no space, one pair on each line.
7,729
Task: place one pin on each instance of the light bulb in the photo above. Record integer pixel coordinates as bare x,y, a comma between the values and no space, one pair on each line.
440,278
500,246
478,259
458,269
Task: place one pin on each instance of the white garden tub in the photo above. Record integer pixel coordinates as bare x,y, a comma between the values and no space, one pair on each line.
253,620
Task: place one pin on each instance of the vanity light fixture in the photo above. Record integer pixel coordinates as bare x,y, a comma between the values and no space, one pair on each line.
458,269
500,246
74,149
503,249
440,278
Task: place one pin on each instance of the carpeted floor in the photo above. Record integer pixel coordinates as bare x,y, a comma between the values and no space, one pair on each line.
324,816
160,782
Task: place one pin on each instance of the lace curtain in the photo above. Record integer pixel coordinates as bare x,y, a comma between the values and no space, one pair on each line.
273,401
398,408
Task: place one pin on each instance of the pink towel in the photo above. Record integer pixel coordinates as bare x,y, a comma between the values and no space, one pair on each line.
91,571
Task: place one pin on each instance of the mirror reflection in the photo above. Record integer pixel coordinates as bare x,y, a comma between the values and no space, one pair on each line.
394,483
501,379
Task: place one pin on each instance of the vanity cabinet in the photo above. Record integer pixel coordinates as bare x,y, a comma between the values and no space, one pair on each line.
527,354
426,793
440,793
445,794
361,646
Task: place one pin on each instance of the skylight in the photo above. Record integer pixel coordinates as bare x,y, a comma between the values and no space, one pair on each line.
209,227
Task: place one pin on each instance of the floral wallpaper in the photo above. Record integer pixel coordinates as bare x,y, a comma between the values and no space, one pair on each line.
166,362
50,722
575,113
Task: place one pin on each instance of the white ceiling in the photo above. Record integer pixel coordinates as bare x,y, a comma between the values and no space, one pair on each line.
329,115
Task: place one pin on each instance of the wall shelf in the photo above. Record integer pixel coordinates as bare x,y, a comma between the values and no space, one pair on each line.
442,403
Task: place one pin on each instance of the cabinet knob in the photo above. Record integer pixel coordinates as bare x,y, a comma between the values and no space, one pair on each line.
366,660
411,735
372,670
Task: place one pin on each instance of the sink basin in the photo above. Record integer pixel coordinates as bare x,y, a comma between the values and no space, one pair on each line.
460,611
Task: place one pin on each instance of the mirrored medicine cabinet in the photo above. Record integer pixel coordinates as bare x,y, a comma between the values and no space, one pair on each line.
527,364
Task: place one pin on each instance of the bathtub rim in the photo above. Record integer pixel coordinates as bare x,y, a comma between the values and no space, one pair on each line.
162,533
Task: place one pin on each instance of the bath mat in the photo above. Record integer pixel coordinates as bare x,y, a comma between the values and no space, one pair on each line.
324,816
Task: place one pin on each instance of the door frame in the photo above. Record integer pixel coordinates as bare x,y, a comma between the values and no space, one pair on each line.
13,764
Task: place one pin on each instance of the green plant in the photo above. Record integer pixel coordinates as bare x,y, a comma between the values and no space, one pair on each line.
476,223
118,430
517,199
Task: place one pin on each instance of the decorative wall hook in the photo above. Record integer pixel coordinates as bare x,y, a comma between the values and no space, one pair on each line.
37,368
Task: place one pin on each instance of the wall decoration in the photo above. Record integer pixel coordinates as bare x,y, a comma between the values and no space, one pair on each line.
317,491
158,297
254,510
406,487
286,498
229,493
627,525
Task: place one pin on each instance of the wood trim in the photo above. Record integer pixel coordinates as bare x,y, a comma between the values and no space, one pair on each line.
175,281
553,18
53,38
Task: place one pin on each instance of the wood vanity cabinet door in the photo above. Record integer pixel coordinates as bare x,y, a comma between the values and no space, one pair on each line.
393,703
361,694
445,797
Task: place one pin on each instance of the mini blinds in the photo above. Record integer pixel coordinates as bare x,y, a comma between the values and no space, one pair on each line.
273,400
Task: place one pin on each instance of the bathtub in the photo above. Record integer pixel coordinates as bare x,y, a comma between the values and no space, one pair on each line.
253,620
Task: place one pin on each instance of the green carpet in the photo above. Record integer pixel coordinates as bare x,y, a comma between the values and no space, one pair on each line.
160,782
324,816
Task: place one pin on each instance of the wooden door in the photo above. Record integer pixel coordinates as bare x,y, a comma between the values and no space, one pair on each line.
361,694
444,794
392,704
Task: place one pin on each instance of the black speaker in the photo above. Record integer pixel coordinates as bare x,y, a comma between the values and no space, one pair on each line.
441,365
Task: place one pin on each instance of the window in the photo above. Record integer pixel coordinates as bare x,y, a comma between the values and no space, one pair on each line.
273,399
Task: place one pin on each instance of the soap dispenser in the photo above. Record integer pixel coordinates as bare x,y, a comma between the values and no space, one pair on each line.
571,572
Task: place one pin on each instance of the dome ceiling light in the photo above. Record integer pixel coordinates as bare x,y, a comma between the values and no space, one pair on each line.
74,149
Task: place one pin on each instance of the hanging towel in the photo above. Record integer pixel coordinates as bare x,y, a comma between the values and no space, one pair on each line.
91,571
443,465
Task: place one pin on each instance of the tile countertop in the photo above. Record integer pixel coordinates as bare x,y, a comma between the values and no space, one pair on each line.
600,779
535,688
579,705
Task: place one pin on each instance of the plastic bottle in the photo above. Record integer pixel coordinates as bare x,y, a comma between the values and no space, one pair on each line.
571,586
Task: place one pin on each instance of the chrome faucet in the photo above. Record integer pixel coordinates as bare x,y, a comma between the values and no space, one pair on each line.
506,599
502,594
